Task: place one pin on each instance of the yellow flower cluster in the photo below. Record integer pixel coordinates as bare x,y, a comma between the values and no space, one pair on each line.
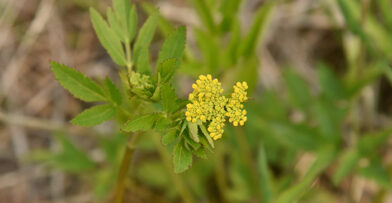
209,105
235,111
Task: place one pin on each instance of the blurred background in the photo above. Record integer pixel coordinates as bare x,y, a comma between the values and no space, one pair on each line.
319,120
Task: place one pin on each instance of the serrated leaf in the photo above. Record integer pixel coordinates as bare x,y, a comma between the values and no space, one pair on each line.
132,23
193,131
169,137
115,25
168,98
173,47
76,83
163,123
167,69
122,8
182,158
145,122
145,35
114,93
143,61
95,115
108,38
206,135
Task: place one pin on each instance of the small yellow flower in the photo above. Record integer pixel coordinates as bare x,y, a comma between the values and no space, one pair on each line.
236,114
208,105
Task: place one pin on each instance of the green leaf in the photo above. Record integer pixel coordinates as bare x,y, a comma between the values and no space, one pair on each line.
385,8
204,13
132,23
108,38
169,98
324,158
208,47
173,47
70,158
190,144
347,163
163,123
145,122
145,35
164,25
115,25
167,69
114,93
143,62
298,89
331,86
265,179
328,117
352,14
206,134
375,171
256,33
170,137
231,54
182,158
370,142
193,131
95,115
76,83
295,136
229,9
201,153
122,8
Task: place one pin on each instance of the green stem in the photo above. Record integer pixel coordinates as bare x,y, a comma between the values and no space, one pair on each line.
125,164
247,154
128,53
177,180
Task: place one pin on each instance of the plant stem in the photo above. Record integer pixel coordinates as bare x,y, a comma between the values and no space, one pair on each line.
246,153
125,164
128,53
177,180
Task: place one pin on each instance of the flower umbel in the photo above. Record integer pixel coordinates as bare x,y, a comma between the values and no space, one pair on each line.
208,105
235,111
